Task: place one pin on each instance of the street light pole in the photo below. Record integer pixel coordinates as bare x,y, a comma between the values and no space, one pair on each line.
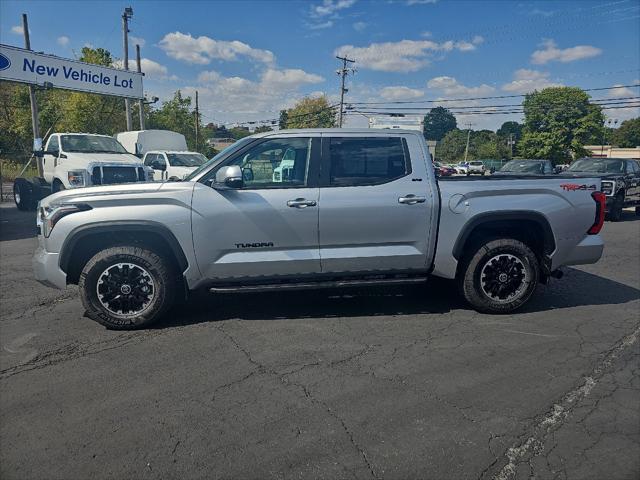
466,150
35,122
126,15
140,102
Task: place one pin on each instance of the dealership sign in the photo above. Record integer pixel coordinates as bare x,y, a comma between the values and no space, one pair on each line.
24,66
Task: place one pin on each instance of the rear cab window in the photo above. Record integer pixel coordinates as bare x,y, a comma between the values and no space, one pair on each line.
356,161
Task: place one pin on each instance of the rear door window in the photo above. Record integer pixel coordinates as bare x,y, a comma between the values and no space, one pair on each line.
366,161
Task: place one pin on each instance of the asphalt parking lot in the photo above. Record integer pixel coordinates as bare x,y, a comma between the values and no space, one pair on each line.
403,382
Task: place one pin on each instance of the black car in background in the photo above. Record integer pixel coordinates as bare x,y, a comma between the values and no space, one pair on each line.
620,181
527,167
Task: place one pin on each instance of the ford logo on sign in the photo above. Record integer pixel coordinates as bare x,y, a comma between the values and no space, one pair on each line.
4,62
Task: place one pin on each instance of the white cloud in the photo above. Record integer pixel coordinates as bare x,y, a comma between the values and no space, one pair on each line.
321,26
150,68
426,34
330,7
451,87
17,29
400,93
477,40
137,41
552,53
241,99
525,81
63,40
359,26
420,2
402,56
202,50
620,91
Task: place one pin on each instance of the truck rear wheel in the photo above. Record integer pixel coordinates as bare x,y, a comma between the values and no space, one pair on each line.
126,287
23,195
498,275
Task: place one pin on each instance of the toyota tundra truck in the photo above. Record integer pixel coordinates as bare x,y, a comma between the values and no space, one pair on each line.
358,207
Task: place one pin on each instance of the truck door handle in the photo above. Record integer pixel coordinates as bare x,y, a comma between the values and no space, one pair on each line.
411,199
301,203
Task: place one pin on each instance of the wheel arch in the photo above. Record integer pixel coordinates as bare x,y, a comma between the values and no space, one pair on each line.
86,240
515,223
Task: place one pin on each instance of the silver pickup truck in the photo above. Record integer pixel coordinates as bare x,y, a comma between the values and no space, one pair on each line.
352,207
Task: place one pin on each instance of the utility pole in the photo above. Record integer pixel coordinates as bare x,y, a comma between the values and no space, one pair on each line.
126,15
466,150
343,72
35,123
141,101
511,142
197,120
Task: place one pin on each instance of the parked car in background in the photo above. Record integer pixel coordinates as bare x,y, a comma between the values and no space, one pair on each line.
359,208
443,170
75,160
139,142
169,165
527,167
476,167
620,181
462,168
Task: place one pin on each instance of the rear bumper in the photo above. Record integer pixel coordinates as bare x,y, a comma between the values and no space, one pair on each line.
589,250
47,270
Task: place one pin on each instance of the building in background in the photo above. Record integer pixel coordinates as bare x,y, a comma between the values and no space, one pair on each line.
399,122
607,151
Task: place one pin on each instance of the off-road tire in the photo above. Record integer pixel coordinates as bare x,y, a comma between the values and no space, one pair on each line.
615,214
160,271
479,255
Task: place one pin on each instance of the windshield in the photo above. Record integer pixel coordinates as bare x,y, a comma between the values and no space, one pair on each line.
597,165
516,166
223,154
186,159
91,144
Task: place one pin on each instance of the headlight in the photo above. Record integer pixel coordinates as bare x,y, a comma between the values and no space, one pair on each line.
608,187
76,178
49,216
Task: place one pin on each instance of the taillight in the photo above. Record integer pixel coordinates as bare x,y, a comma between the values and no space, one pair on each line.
601,205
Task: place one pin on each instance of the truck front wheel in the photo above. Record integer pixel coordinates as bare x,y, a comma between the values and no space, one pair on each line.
23,195
499,275
126,287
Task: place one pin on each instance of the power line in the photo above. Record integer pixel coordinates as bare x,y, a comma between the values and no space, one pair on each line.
494,97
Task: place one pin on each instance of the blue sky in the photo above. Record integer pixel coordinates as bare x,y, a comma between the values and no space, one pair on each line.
248,59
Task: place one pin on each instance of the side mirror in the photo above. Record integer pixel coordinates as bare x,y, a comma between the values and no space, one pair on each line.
38,153
158,165
55,153
229,177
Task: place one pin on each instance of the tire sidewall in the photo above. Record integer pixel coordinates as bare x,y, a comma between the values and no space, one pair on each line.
471,285
149,261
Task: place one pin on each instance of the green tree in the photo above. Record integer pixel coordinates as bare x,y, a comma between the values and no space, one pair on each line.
282,122
558,121
263,128
437,123
451,148
175,115
627,135
310,112
483,145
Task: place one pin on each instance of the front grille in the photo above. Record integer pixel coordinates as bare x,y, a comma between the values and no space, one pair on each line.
111,175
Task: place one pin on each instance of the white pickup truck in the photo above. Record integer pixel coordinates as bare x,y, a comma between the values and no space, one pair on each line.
75,160
172,165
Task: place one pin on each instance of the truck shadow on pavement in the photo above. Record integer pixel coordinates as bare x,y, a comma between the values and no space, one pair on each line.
16,224
437,296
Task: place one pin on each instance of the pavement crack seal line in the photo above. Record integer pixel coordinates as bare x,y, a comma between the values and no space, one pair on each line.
260,368
533,445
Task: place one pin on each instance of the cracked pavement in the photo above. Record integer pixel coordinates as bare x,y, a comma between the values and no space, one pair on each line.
402,382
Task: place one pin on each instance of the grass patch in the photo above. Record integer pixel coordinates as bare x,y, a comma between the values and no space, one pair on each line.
10,169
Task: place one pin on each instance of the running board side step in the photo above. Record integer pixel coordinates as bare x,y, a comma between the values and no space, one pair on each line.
316,285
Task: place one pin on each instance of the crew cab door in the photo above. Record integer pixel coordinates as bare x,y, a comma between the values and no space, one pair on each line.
632,178
376,204
269,226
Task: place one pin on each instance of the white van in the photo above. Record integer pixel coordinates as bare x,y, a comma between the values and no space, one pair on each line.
140,142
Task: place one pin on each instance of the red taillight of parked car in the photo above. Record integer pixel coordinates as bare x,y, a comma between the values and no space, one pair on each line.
601,205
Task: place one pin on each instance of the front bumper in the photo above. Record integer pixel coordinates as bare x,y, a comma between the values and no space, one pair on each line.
589,250
47,270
